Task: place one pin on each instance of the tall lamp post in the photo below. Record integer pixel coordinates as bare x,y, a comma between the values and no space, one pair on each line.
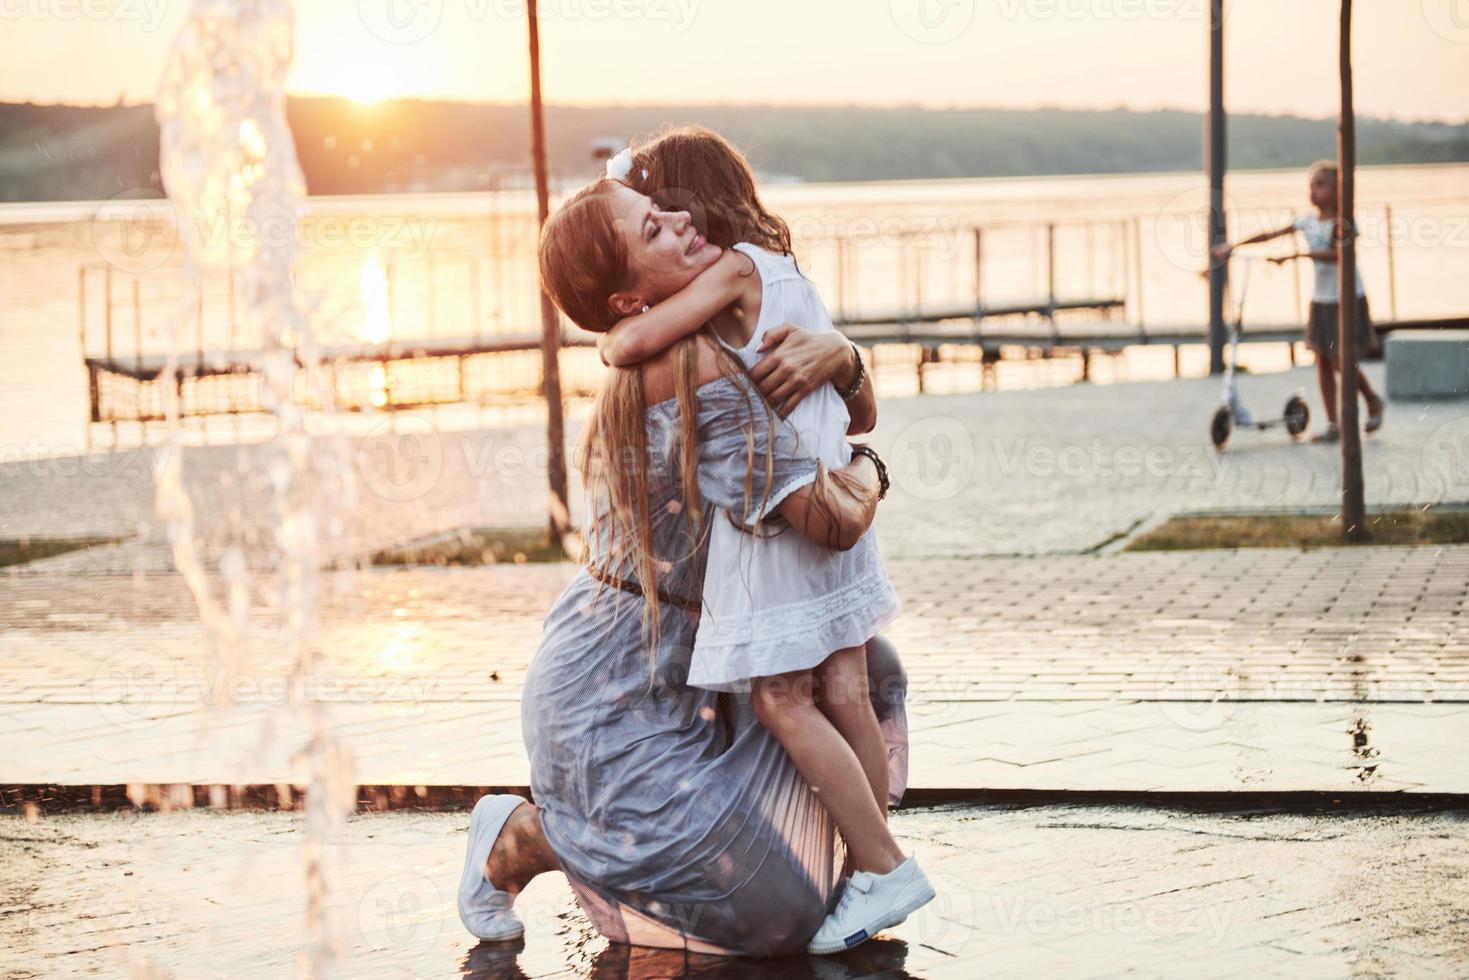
559,522
1354,505
1214,160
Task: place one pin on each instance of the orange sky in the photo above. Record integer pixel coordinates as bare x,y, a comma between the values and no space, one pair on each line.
1412,56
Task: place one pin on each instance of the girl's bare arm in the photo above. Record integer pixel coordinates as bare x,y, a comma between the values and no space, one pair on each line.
1222,252
639,337
1322,255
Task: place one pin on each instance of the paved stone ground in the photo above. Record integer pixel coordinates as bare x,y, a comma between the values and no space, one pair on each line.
1074,891
1263,670
1269,670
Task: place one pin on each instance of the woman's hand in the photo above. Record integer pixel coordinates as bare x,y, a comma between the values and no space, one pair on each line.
797,362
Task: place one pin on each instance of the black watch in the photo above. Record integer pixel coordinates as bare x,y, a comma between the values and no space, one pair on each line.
860,449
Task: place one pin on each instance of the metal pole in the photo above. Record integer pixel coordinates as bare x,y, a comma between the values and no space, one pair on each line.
918,247
1392,268
559,519
107,308
1051,272
432,313
138,362
841,281
853,258
1354,505
137,328
1295,276
1091,260
1137,248
474,294
978,271
82,309
82,344
902,281
499,252
1123,256
391,274
1215,162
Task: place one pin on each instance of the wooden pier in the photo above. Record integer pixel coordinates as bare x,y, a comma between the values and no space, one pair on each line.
493,356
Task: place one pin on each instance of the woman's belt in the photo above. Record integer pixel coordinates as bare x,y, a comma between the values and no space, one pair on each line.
607,578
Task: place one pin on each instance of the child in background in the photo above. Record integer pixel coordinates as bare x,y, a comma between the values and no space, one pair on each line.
1323,327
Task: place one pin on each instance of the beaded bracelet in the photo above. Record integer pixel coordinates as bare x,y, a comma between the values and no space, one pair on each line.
859,449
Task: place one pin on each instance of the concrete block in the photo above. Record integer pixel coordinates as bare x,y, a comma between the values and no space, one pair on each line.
1427,364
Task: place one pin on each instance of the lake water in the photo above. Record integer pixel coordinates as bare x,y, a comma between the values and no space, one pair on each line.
462,265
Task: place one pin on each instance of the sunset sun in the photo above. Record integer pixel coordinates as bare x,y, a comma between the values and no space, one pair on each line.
365,86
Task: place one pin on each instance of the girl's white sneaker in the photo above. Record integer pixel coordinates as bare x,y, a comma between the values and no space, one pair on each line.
484,909
871,903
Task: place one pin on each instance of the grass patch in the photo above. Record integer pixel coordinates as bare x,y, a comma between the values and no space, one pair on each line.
18,551
475,546
1402,527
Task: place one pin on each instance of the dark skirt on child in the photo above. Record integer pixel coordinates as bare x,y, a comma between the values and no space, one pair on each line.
1323,330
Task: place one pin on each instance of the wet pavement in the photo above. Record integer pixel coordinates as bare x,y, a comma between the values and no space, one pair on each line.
1244,676
1084,891
1266,670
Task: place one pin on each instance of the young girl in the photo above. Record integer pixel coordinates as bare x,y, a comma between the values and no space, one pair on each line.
782,617
1323,329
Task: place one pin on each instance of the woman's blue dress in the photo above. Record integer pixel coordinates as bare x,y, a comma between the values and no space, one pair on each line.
679,820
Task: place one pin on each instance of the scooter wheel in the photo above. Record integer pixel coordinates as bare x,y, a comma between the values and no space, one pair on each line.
1297,416
1221,427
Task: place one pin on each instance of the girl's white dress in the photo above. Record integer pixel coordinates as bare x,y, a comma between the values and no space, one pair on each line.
773,601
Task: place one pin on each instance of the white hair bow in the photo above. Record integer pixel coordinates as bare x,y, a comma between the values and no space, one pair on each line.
620,166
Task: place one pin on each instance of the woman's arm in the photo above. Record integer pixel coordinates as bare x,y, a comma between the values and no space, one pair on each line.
798,362
639,337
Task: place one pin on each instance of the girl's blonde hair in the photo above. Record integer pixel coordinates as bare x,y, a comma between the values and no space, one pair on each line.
1318,167
690,168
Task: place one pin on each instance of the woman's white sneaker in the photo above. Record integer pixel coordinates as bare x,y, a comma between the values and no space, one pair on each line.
484,909
871,903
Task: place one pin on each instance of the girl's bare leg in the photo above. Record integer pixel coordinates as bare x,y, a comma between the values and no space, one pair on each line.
845,699
786,706
1326,375
1374,401
521,852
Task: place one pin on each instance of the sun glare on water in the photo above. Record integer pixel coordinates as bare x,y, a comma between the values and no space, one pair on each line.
376,326
372,285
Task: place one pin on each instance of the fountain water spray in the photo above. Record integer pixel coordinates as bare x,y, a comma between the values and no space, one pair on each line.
229,166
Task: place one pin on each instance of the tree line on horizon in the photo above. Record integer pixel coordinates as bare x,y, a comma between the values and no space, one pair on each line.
60,152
